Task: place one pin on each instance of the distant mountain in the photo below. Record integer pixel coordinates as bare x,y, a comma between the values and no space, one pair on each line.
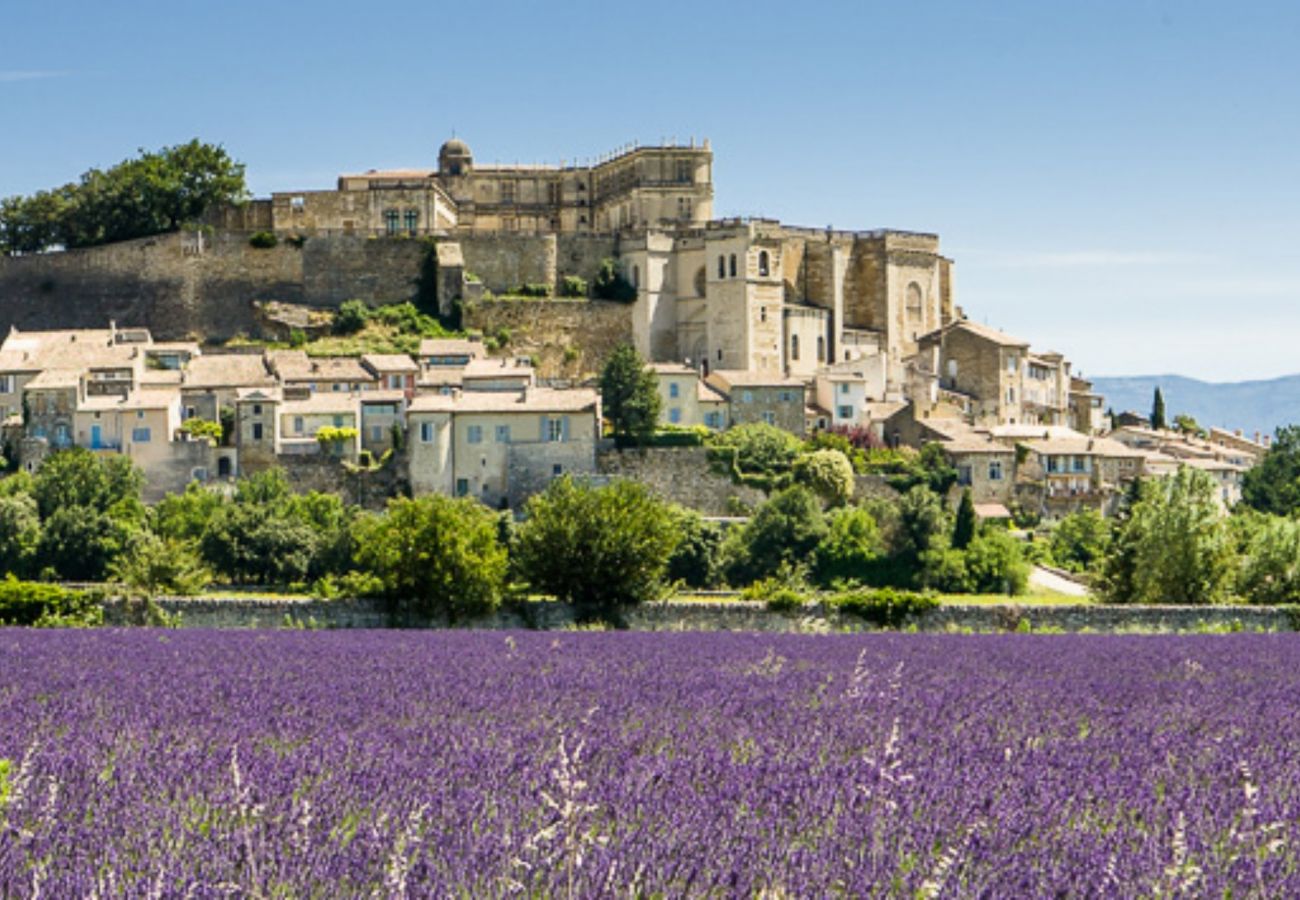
1249,405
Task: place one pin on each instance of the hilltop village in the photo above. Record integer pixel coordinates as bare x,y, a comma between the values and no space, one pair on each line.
739,321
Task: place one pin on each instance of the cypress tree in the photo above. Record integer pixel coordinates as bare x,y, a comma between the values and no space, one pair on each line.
1158,410
963,530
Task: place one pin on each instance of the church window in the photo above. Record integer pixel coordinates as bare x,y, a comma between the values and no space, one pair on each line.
732,267
762,262
794,346
391,221
915,302
412,221
722,267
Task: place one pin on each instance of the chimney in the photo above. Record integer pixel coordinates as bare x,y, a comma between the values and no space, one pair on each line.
1256,437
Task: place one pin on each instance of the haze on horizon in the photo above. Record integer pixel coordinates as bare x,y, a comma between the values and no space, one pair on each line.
1115,181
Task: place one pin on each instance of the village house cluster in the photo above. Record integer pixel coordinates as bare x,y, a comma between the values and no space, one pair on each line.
741,320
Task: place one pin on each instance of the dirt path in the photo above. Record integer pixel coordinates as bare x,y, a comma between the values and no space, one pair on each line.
1050,581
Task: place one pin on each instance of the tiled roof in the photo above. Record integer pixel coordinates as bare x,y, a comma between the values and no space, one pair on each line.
226,370
534,399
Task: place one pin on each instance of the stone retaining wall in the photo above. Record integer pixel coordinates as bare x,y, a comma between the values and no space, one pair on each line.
276,612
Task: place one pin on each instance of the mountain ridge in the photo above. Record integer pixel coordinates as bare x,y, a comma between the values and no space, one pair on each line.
1257,405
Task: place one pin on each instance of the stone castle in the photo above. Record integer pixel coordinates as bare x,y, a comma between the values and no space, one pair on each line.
749,295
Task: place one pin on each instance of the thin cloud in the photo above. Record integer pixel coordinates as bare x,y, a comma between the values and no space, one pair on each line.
11,75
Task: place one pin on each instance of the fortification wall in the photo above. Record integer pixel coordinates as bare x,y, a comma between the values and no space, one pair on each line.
681,475
571,339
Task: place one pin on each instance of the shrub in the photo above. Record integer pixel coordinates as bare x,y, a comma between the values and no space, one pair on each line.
945,569
33,603
852,543
996,564
885,607
784,532
828,473
1271,573
611,285
262,240
351,317
756,452
696,560
203,429
153,565
1079,541
533,289
573,286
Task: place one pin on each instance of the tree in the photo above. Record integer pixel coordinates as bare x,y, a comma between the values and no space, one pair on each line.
1171,546
1079,541
924,523
1188,425
153,564
782,533
963,530
20,533
351,317
253,543
827,473
1271,571
603,549
154,193
757,448
1273,485
696,561
629,395
185,516
995,564
78,478
435,555
851,546
1158,410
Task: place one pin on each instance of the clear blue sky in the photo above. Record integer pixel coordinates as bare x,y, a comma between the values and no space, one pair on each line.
1115,180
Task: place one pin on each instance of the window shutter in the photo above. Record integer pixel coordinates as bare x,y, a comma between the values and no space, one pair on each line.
545,433
564,429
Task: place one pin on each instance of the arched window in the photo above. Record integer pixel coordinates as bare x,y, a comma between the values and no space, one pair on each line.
915,302
794,346
821,348
733,265
722,267
762,262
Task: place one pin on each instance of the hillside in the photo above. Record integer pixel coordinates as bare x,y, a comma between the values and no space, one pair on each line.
1249,405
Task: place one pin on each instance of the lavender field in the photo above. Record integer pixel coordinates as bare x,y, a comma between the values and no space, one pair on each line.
584,764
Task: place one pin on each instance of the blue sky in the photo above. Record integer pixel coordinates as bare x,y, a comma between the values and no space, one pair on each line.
1117,181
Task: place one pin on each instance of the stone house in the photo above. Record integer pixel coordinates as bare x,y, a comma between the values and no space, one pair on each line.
300,420
295,369
1085,413
986,466
210,383
500,446
761,397
686,400
393,371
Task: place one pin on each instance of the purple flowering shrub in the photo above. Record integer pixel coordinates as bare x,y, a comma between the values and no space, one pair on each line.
587,764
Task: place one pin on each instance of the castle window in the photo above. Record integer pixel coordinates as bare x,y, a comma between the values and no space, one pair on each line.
794,346
915,302
507,192
412,221
821,349
762,314
722,267
732,267
684,173
392,221
762,262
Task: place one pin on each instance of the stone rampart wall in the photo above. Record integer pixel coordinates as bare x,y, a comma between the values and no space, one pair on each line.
571,339
681,475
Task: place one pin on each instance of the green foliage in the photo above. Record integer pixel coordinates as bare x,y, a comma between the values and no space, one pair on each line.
1273,485
262,240
943,568
1080,540
154,193
756,453
435,555
696,561
906,468
783,532
602,549
533,289
853,543
611,285
297,338
33,603
78,478
784,591
1158,410
1188,425
1171,545
20,533
156,565
203,428
679,436
995,563
332,439
629,395
884,607
185,516
834,440
924,523
426,286
963,529
1271,570
351,317
827,473
573,286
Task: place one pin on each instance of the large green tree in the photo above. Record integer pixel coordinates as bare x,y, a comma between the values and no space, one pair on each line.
435,555
1273,486
782,534
1158,410
1172,545
603,549
156,192
629,395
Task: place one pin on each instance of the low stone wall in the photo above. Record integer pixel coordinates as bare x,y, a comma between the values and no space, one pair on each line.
680,475
254,611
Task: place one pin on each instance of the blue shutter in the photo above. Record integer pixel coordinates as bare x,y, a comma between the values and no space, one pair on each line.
546,429
564,429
